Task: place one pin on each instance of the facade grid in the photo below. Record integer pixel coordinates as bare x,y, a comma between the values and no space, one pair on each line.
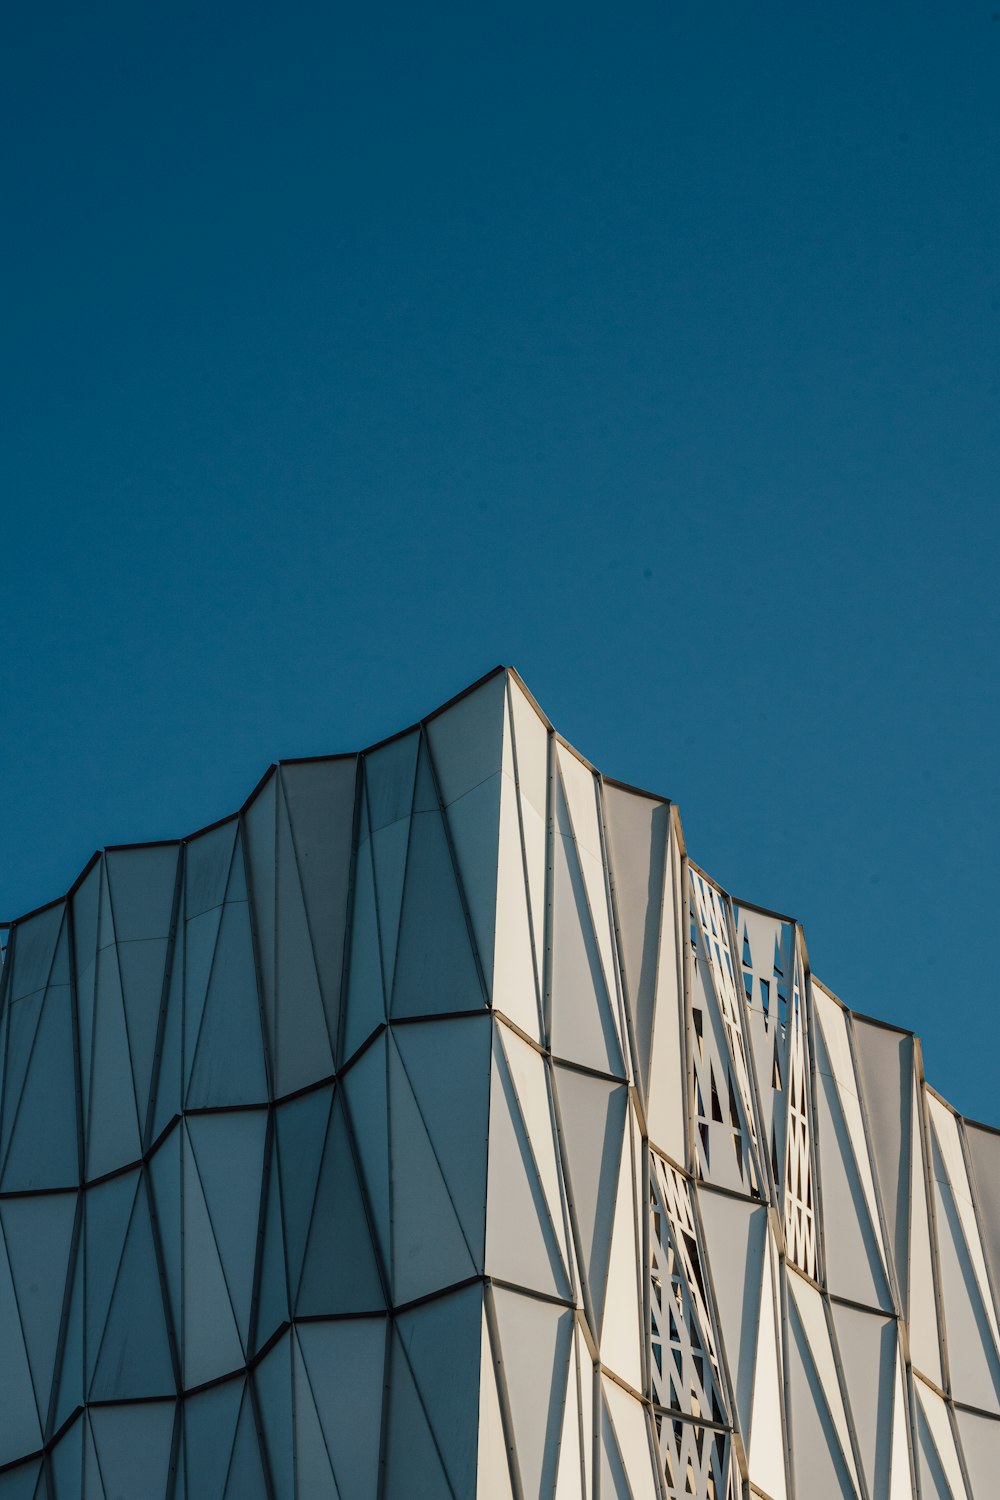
435,1129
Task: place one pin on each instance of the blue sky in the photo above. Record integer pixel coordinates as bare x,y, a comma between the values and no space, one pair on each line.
653,349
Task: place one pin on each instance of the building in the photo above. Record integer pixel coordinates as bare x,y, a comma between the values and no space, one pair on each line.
434,1128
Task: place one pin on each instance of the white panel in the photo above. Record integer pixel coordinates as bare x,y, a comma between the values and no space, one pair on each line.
974,1367
593,1122
767,1466
629,1422
885,1061
535,1343
531,745
900,1482
984,1149
667,1101
981,1446
587,1378
571,1466
834,1022
935,1414
584,1029
531,749
854,1261
923,1326
946,1128
809,1304
735,1234
867,1346
493,1482
514,988
526,1241
581,797
620,1328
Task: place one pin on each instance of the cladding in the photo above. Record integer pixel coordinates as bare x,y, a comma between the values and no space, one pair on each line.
433,1129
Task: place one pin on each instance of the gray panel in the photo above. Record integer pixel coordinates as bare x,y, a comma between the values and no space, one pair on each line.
141,886
301,1126
40,1136
304,1047
260,832
20,1431
467,739
339,1270
272,1283
113,1130
273,1381
435,966
211,1338
365,997
445,1335
207,863
430,1249
246,1468
228,1047
133,1449
70,1382
447,1064
313,1473
133,1356
345,1365
228,1150
33,957
414,1468
141,967
366,1092
107,1214
23,1483
167,1200
390,772
209,1434
320,801
38,1232
67,1462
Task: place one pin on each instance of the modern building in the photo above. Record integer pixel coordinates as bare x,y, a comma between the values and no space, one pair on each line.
434,1128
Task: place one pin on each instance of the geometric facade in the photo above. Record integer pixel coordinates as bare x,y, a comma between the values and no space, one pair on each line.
434,1128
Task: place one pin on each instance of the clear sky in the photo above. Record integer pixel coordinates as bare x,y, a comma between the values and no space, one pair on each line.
653,348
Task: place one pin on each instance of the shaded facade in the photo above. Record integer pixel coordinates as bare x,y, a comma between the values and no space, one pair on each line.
434,1128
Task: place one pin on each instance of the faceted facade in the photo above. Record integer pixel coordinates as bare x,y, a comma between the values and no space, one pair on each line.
434,1128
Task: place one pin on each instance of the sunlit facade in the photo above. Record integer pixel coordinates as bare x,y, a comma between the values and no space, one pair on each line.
433,1128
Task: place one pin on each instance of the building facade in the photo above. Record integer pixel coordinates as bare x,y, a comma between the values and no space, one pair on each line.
434,1128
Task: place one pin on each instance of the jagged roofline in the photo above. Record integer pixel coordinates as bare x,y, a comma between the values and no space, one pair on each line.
610,780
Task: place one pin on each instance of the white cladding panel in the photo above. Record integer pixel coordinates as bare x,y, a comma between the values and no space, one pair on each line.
434,1129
